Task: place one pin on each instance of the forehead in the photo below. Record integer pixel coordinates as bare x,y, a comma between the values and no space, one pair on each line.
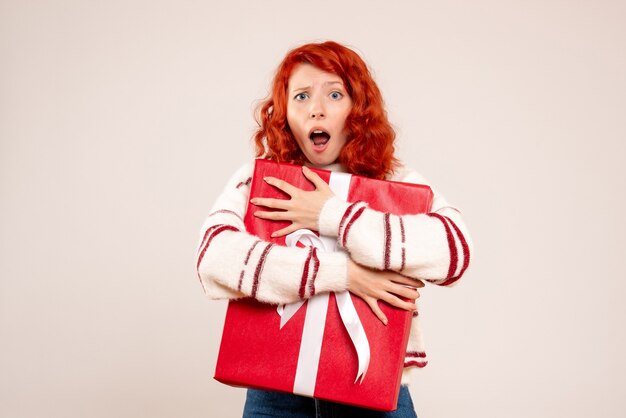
307,75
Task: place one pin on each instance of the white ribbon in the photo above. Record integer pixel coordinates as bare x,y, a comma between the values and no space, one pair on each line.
317,306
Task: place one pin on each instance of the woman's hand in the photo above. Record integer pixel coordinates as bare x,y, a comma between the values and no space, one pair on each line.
372,285
303,209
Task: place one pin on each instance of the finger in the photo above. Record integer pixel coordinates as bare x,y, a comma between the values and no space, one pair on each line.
270,203
404,291
272,216
398,278
285,231
373,303
398,303
314,178
282,185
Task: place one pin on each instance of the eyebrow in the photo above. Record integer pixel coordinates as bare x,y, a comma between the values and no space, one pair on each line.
325,84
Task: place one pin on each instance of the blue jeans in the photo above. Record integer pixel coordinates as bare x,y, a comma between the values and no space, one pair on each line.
261,403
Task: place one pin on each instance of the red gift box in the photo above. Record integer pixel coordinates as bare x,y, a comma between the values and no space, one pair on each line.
257,352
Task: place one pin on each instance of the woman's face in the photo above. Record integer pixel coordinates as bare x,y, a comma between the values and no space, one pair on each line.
317,107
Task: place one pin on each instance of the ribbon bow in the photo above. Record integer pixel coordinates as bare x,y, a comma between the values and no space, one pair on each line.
315,320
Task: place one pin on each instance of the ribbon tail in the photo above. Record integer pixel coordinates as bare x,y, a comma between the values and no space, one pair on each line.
311,345
351,321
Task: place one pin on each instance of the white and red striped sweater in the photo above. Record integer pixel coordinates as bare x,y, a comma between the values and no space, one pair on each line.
434,247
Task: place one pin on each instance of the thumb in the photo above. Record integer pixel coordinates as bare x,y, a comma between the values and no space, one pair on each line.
314,178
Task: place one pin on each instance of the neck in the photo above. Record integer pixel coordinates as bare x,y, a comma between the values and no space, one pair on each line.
338,167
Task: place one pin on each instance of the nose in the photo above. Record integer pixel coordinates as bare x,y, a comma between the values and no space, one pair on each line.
317,110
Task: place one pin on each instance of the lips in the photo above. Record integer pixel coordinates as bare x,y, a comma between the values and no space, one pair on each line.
319,136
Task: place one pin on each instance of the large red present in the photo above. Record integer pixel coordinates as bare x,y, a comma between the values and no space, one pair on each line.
305,348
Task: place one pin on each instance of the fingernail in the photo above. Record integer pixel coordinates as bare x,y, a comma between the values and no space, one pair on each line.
385,321
273,235
265,179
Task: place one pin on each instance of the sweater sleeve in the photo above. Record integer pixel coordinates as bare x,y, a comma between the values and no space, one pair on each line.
232,263
433,246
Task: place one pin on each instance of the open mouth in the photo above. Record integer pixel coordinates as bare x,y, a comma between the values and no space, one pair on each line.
319,137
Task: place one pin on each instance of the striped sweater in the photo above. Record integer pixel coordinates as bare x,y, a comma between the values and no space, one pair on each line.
231,263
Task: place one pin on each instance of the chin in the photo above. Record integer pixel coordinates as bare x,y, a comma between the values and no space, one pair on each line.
321,162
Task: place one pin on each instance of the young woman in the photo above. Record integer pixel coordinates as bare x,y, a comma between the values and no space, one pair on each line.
326,111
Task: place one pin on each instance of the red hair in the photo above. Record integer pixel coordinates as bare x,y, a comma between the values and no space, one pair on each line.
369,150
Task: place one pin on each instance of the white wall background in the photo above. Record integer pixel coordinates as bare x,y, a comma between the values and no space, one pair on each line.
120,122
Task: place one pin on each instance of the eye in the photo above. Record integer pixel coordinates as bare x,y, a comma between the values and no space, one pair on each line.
336,95
300,96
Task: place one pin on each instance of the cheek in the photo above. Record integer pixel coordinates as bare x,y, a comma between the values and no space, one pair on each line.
345,115
290,123
292,119
298,131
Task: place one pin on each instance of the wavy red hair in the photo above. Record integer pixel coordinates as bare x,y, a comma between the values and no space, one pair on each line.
369,150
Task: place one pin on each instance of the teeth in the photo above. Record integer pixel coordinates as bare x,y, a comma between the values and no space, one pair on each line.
317,132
